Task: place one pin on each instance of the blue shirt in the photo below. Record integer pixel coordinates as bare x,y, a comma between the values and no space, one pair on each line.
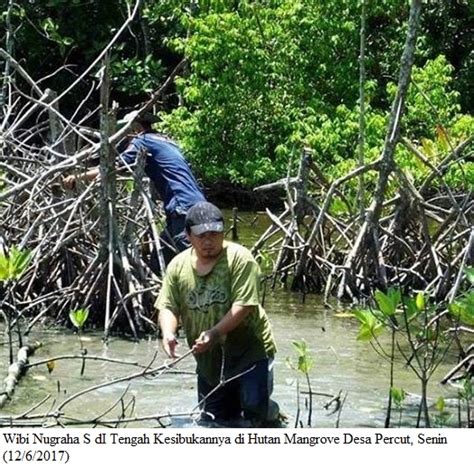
168,170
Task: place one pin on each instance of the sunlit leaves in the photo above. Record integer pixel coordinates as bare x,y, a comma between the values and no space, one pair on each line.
138,75
130,186
51,30
304,362
14,264
420,301
370,327
390,306
253,82
387,303
78,317
409,307
443,417
398,396
463,309
440,404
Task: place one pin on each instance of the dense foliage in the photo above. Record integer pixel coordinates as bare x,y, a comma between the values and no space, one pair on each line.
265,78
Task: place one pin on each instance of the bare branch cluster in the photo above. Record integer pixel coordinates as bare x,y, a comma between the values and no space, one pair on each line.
421,242
414,238
120,413
73,266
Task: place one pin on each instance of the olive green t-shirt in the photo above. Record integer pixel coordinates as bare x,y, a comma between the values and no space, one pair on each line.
201,301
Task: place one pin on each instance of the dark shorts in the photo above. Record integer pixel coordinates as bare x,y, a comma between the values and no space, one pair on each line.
246,397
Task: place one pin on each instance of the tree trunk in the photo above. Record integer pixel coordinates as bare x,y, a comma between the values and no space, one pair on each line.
362,243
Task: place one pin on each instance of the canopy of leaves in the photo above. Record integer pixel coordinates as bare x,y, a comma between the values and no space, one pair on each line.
265,78
270,77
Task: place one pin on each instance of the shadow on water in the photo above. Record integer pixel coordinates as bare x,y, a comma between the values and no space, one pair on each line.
341,363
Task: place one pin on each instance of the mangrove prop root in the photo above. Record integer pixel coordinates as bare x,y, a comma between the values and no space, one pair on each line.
94,246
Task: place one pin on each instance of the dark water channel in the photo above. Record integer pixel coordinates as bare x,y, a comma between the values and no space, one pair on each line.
341,363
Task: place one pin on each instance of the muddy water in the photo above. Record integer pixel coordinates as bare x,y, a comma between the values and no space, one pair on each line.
341,364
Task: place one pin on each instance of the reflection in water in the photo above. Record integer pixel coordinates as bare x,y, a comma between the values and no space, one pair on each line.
341,363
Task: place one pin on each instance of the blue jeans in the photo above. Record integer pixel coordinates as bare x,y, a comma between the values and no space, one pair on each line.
174,238
247,396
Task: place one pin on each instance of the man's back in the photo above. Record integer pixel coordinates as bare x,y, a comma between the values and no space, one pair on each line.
168,170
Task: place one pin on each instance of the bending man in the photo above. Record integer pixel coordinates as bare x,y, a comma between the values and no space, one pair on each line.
169,173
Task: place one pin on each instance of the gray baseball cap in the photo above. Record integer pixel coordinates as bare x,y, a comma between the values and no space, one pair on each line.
204,217
135,116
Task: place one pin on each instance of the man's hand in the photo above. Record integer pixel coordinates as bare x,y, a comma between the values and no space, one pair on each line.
69,182
169,326
169,345
205,341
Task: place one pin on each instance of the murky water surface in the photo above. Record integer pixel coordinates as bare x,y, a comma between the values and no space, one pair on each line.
341,364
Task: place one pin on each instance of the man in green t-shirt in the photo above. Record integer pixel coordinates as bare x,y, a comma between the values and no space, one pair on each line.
212,290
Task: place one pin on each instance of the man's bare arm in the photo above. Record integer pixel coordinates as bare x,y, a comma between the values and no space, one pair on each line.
70,181
169,326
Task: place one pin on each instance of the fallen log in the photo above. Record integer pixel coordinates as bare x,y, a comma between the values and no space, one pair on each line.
16,370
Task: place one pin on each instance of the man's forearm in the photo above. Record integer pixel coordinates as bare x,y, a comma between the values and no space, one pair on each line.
70,181
89,175
168,322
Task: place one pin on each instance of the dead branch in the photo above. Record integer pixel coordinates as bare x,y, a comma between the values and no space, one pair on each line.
16,371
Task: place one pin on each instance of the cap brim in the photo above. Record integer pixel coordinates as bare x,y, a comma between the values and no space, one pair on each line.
128,118
134,116
217,227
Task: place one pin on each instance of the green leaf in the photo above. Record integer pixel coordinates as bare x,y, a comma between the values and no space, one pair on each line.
398,395
19,261
129,186
455,310
420,301
410,307
78,317
463,310
367,333
3,267
370,326
440,404
13,265
442,136
395,296
386,303
304,362
469,271
467,317
427,147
